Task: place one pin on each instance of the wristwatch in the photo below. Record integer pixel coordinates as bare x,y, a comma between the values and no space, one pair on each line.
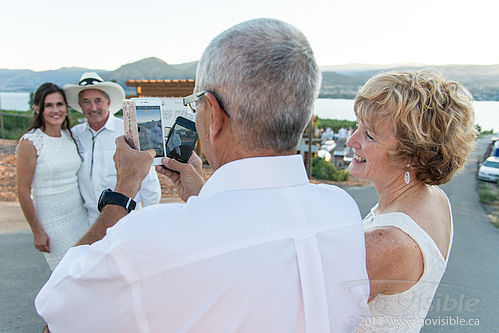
114,198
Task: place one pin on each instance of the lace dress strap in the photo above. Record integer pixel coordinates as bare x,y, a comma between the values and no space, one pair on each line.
405,223
408,226
451,240
36,137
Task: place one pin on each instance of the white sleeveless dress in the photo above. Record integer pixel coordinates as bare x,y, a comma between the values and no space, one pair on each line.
405,312
56,196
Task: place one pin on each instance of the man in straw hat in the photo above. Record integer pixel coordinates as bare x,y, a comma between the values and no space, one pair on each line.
99,101
246,252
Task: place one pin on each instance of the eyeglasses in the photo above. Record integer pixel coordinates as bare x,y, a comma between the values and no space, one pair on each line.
191,100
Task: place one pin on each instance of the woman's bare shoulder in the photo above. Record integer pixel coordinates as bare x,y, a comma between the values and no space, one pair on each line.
394,260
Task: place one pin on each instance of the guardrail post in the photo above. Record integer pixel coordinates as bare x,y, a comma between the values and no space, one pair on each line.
309,157
1,120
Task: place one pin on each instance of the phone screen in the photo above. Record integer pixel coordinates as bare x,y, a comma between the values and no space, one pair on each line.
181,141
149,128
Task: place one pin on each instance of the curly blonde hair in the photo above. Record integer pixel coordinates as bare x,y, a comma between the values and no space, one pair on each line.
432,118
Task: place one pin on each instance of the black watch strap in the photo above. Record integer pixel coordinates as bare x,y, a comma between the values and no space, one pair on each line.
108,197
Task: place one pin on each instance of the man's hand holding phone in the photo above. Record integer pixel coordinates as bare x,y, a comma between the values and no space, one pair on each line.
132,166
187,177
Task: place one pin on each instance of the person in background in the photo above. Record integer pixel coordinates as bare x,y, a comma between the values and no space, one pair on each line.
99,101
174,144
245,253
415,131
46,176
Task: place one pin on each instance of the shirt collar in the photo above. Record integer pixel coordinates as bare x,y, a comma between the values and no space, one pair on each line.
257,173
110,123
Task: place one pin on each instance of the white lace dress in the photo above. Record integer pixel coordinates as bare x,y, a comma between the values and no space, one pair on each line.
56,197
406,312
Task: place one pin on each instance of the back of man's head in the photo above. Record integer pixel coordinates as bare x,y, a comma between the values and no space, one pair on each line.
264,73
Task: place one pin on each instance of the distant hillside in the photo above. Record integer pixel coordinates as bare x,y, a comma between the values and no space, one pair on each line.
150,69
340,81
354,68
345,80
145,69
336,85
28,80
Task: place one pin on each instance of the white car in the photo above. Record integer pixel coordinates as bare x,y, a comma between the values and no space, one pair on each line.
489,170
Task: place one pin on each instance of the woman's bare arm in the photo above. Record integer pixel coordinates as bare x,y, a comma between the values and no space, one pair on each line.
394,261
25,169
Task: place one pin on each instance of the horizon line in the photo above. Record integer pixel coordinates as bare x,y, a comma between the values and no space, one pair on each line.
321,67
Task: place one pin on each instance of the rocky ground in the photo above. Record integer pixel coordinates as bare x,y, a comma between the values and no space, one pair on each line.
7,171
8,175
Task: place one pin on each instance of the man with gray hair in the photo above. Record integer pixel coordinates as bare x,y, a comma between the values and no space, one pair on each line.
245,252
99,100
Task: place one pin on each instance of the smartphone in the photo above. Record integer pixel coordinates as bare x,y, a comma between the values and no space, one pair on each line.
181,139
150,126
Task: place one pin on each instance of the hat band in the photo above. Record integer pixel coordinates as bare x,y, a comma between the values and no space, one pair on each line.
89,81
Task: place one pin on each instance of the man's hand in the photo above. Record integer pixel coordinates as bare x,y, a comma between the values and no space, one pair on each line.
132,166
188,177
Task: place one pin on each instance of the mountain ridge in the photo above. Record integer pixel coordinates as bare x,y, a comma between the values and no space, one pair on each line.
339,81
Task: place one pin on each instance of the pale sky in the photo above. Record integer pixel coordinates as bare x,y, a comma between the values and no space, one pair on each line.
101,34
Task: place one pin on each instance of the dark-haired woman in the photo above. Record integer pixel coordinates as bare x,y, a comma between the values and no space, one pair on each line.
47,187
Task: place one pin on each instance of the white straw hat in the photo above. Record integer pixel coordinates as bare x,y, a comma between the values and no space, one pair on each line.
92,80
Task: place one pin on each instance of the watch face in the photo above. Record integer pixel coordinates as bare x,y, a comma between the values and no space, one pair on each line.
101,203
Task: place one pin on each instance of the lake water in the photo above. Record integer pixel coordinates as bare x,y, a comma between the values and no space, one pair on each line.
486,112
14,101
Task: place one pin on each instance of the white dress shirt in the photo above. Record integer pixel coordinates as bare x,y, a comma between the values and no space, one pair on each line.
98,172
253,252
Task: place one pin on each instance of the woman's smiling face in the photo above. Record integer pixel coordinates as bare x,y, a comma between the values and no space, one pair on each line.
54,110
371,153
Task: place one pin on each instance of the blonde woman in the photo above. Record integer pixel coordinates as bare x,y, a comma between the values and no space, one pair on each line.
415,131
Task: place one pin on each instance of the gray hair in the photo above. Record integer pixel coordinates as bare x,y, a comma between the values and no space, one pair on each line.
264,73
105,94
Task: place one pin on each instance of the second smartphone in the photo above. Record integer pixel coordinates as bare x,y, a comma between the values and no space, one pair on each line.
181,139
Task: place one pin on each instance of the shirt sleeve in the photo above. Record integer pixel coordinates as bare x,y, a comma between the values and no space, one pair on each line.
83,288
150,190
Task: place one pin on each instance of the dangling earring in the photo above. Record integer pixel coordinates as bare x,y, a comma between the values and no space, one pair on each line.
407,175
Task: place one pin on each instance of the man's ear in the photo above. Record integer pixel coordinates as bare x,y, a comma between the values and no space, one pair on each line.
217,118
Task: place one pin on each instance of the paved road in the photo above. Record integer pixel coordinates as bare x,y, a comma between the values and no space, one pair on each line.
470,286
23,272
469,289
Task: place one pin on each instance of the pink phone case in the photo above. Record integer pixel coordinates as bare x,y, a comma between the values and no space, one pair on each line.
130,123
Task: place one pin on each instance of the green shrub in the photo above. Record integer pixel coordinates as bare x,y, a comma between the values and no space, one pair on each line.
487,192
15,123
334,124
321,169
486,196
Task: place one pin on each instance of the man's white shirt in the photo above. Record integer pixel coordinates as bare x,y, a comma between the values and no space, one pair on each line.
252,253
98,172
